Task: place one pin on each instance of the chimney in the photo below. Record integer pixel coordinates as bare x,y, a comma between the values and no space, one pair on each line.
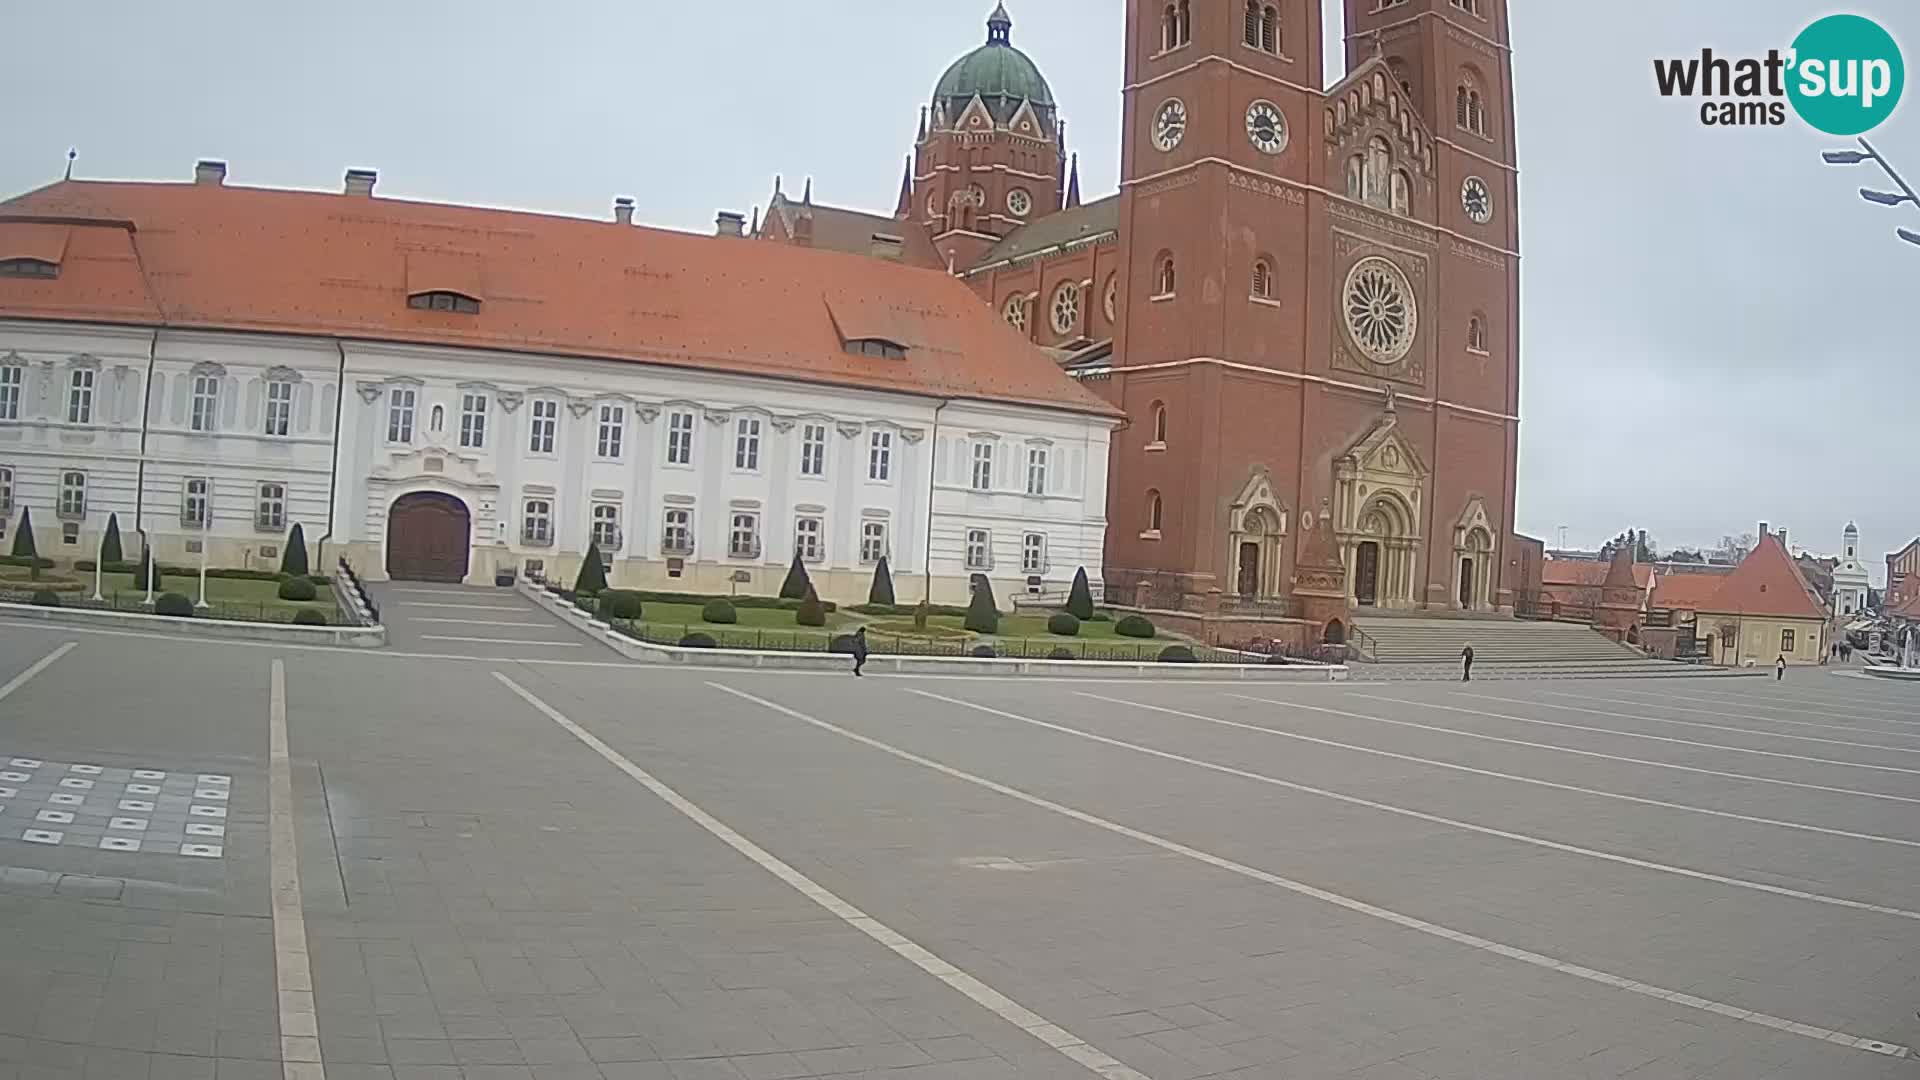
210,172
886,246
730,223
623,211
1782,534
360,182
1763,530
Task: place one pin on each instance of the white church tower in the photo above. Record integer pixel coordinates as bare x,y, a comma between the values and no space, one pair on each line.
1850,577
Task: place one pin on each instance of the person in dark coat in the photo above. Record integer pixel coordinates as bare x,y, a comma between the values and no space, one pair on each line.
859,649
1466,664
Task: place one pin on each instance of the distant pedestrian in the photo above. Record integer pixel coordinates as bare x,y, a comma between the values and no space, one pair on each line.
1780,667
859,650
1466,664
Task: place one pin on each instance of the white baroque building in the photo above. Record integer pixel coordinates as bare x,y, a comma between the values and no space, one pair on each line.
1851,585
440,393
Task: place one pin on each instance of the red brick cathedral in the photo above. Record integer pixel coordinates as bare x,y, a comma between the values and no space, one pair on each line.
1305,300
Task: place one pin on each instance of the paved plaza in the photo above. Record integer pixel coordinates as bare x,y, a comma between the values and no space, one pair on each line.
455,860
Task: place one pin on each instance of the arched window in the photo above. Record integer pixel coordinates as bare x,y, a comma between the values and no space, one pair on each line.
1471,7
1270,29
1477,333
1400,193
1185,22
1379,165
1469,108
1160,423
1356,172
1153,512
1163,277
1262,288
1252,37
439,418
1169,28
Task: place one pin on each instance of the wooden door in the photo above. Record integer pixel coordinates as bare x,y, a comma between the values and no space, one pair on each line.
1249,583
1366,573
428,537
1466,583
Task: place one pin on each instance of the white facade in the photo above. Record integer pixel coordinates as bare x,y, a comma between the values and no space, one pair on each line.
1850,583
692,478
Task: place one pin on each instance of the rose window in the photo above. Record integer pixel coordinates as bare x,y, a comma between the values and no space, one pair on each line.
1381,316
1066,308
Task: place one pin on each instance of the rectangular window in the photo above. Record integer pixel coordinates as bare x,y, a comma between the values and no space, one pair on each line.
1786,641
279,408
880,456
536,524
70,532
400,403
982,466
1033,554
873,542
473,421
979,550
813,450
606,526
11,378
680,438
6,490
270,509
677,539
193,502
206,400
80,397
546,421
743,540
613,427
807,534
746,444
1036,470
73,494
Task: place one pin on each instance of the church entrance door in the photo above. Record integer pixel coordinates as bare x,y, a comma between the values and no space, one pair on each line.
1466,582
1249,583
1366,573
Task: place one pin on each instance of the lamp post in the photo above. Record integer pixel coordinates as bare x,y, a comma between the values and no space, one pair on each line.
206,528
146,552
99,566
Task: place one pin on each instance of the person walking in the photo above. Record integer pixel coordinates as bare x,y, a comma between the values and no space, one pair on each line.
1780,667
1466,664
859,650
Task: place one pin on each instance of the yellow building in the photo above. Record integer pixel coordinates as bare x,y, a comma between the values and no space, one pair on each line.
1763,611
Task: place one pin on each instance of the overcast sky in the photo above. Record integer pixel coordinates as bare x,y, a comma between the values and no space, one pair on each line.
1717,331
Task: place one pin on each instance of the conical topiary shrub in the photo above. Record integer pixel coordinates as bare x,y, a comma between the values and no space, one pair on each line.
110,550
882,590
812,612
293,561
983,615
797,583
1080,599
140,571
23,540
593,573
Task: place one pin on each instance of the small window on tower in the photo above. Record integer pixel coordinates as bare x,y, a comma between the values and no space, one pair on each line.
1163,275
1262,288
1477,334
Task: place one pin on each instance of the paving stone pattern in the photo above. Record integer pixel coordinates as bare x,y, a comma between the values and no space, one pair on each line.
114,809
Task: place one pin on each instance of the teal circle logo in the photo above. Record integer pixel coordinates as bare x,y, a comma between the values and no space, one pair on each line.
1847,75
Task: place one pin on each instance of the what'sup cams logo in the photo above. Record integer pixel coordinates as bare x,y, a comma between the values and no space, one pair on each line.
1842,75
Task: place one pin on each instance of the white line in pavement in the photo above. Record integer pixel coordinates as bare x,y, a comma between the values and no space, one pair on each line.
1410,922
1068,1044
1418,815
1536,781
1693,723
503,641
1659,702
1566,749
36,668
521,608
1657,738
1778,699
299,1030
478,622
1827,708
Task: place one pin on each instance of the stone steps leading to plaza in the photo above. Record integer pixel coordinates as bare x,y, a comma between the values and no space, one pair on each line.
1400,640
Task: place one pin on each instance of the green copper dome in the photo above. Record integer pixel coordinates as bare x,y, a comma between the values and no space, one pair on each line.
998,73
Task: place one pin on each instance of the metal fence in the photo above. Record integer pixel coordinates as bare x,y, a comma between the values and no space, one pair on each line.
778,640
135,602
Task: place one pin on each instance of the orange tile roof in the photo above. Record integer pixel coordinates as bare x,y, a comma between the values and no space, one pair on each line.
1686,591
250,259
1588,572
1765,583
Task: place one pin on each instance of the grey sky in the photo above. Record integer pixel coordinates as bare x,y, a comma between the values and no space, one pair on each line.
1715,327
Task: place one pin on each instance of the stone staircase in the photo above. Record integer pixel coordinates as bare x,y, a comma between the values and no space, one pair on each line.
1403,647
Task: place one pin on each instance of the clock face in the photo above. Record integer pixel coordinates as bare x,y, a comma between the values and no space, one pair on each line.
1170,124
1266,127
1476,200
1019,203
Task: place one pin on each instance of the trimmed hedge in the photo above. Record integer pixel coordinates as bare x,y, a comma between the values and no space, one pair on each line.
110,548
46,598
1134,626
797,584
309,617
1080,597
811,612
620,604
697,640
143,571
768,602
719,611
1063,624
298,589
906,609
22,560
880,593
1177,654
1061,652
1100,616
842,643
319,580
293,561
231,573
983,615
984,652
173,605
593,572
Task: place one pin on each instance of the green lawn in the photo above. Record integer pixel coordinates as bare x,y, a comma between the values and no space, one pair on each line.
774,628
236,593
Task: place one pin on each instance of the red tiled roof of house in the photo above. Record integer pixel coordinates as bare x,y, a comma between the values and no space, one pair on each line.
208,256
1765,583
1583,572
1686,591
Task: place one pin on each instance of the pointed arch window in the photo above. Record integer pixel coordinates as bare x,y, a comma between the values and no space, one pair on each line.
1154,513
1400,193
1159,425
1469,108
1477,333
1163,275
1379,166
1176,25
1262,284
1356,177
1263,27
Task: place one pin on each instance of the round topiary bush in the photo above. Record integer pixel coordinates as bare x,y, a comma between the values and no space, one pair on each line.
1063,624
985,652
46,598
720,611
697,640
1177,654
307,616
1061,652
620,604
297,588
1134,626
173,605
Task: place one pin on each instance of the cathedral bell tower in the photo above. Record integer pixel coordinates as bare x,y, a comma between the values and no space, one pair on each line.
990,154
